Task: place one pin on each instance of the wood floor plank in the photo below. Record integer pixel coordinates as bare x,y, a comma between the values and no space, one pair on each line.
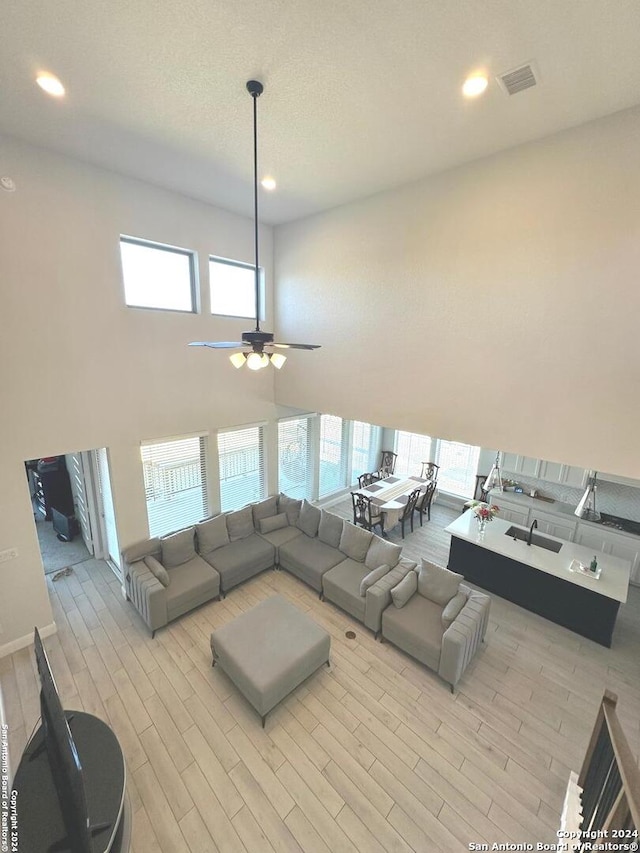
161,817
220,828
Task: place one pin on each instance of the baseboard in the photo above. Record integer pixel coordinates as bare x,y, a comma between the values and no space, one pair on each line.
27,640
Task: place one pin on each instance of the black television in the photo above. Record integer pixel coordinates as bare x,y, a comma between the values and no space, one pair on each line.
64,761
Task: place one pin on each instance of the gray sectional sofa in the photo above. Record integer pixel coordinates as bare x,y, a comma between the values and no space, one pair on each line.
351,567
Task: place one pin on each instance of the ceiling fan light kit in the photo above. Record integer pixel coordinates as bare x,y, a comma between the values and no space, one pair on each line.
256,358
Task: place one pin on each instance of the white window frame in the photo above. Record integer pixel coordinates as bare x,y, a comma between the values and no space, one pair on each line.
442,471
216,259
179,514
163,247
227,506
310,485
428,456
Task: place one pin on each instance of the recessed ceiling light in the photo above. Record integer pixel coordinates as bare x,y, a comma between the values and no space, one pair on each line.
268,183
474,85
50,84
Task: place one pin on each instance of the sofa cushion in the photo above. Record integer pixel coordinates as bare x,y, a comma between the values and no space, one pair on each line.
309,520
241,559
341,585
308,559
330,528
158,570
437,583
382,553
402,592
273,522
282,535
373,577
178,548
264,509
291,506
240,524
192,583
141,549
212,534
355,541
453,608
416,629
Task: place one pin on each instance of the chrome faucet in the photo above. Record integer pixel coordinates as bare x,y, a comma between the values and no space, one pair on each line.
534,523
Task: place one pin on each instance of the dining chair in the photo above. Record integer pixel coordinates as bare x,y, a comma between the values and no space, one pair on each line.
365,514
479,493
430,471
424,502
387,462
407,513
365,480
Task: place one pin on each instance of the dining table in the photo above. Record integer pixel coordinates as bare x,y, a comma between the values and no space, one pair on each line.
391,494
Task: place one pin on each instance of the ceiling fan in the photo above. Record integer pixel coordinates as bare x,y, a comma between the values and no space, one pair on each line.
261,343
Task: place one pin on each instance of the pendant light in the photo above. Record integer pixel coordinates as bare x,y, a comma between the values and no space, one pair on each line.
587,506
494,480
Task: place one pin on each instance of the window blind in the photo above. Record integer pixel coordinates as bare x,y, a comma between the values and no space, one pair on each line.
242,468
412,449
175,483
295,464
332,474
362,438
458,468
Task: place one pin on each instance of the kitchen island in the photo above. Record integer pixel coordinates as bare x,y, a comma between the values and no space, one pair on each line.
541,580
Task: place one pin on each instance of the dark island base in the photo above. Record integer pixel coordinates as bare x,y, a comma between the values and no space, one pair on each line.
585,612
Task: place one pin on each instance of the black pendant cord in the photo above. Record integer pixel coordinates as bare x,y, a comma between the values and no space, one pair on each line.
255,93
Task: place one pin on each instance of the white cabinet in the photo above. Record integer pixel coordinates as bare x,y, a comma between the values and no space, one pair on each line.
610,542
518,464
555,525
565,475
516,513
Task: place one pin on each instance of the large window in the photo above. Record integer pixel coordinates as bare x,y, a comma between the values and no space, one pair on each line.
363,438
412,450
233,288
242,469
157,276
333,452
458,467
295,458
175,483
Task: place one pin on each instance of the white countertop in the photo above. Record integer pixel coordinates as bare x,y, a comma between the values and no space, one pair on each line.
612,583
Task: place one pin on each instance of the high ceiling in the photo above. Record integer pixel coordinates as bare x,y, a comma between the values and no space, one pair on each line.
360,95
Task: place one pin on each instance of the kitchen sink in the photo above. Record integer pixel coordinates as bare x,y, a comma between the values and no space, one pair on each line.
536,539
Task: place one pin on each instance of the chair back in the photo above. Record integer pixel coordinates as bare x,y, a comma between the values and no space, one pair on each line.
362,514
412,500
387,462
430,471
427,496
365,480
479,493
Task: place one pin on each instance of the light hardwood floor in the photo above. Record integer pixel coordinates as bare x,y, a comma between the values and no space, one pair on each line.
373,754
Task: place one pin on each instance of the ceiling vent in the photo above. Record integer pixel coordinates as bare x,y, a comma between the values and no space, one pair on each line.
518,79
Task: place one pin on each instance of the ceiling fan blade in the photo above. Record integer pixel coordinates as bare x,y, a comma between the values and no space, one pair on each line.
218,344
296,346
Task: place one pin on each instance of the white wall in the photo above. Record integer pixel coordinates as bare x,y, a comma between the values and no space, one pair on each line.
495,304
78,369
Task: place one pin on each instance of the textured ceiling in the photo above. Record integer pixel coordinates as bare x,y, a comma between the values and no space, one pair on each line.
359,96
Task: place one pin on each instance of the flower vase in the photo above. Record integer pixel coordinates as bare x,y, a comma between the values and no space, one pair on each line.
482,526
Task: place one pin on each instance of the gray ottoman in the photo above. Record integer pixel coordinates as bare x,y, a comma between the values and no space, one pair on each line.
269,650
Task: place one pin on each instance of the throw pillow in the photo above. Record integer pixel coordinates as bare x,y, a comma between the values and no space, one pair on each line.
371,578
330,528
140,550
158,570
355,541
178,548
265,509
309,520
240,524
291,506
453,608
381,552
212,534
437,583
275,522
405,589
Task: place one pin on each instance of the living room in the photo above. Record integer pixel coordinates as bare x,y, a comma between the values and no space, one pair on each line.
492,303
